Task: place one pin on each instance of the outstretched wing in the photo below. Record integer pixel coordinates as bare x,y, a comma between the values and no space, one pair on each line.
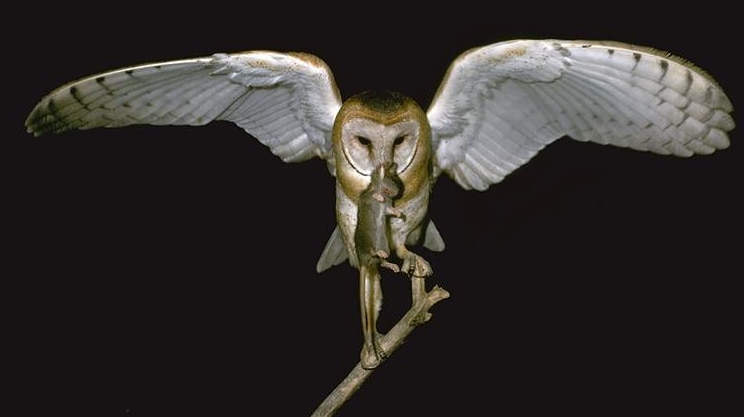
500,104
287,101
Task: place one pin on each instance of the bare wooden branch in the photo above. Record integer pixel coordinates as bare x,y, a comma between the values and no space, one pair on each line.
415,316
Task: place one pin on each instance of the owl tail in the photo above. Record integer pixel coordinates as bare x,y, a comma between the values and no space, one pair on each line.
334,252
432,239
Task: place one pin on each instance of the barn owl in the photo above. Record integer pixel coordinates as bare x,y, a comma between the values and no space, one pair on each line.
497,106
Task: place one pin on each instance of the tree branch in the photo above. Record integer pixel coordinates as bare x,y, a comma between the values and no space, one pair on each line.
418,314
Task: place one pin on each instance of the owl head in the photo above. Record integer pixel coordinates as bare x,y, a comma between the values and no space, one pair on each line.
381,128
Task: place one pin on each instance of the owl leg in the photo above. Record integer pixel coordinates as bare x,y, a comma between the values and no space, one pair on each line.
418,269
413,264
370,300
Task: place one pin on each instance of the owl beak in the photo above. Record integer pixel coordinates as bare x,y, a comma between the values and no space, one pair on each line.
384,158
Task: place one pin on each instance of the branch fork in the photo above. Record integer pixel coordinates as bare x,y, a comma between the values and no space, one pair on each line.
417,315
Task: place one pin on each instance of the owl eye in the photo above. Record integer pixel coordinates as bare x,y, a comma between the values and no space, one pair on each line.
399,140
364,141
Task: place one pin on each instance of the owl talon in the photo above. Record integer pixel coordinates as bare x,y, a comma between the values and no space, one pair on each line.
416,266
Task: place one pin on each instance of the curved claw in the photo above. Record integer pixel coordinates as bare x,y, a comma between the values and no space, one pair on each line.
416,266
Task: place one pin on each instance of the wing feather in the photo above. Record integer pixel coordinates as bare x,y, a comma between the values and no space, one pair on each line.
500,104
288,101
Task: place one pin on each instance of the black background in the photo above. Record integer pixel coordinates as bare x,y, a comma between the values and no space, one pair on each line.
169,271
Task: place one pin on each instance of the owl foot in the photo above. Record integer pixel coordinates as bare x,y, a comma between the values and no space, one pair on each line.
416,266
372,353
